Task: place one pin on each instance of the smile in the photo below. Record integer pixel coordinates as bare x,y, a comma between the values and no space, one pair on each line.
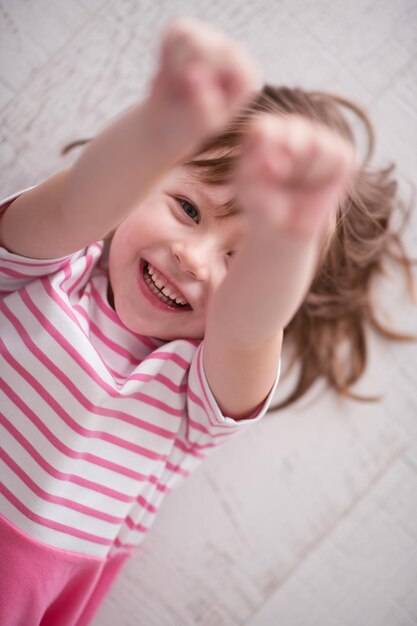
163,289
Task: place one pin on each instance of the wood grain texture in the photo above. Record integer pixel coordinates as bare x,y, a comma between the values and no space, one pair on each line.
365,570
310,518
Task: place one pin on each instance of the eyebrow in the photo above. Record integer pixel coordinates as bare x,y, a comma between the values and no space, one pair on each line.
229,209
225,210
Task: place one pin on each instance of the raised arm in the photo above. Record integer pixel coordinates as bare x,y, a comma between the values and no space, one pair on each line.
289,182
202,79
84,204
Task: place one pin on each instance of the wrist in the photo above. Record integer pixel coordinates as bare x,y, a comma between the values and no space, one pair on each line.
164,132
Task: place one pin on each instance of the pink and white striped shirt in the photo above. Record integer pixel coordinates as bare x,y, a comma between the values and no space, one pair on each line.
97,425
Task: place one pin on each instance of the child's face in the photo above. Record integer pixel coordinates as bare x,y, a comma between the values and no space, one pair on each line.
174,242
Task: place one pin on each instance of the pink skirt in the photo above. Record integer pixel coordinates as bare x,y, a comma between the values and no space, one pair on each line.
44,586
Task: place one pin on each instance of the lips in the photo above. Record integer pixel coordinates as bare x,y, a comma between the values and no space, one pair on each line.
161,288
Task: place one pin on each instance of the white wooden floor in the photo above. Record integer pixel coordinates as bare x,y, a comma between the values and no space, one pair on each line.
311,518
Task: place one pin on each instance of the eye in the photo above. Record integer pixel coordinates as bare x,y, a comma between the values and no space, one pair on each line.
189,209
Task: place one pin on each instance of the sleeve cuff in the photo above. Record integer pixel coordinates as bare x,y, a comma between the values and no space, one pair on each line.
6,202
214,411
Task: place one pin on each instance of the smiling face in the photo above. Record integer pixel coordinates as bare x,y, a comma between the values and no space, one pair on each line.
169,256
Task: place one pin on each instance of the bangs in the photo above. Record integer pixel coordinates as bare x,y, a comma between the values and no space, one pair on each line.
215,171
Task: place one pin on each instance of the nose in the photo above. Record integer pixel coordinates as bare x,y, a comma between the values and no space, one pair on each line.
194,258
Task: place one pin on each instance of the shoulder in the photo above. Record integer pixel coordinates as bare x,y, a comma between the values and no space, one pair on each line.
17,270
7,201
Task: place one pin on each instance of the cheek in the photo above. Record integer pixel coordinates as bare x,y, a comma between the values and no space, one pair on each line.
149,222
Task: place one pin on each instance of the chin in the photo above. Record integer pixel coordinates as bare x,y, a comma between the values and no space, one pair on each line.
152,327
173,336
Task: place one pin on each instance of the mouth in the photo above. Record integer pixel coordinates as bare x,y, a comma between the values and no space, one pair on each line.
162,289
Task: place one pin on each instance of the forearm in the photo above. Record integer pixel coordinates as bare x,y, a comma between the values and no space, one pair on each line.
117,170
263,289
259,296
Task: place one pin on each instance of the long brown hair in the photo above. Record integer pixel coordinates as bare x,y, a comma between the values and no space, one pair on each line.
327,333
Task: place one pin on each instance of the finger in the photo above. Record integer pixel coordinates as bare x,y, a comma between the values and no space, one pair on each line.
333,165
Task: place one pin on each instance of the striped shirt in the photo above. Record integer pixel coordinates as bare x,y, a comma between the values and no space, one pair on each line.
97,423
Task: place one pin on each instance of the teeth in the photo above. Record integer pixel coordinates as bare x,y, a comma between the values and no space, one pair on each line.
157,279
173,295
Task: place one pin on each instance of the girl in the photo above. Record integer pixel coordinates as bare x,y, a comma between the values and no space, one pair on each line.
145,293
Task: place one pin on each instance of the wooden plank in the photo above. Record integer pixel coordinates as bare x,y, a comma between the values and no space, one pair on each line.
32,32
365,571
